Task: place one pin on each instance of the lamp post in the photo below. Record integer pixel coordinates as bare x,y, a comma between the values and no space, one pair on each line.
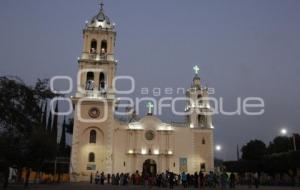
218,148
294,142
284,132
219,164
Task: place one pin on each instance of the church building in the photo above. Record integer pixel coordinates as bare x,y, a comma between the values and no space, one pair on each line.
102,142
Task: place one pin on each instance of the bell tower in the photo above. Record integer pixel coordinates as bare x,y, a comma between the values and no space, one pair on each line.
198,104
92,141
97,63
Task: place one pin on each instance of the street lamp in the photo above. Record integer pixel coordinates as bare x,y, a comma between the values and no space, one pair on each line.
284,132
218,148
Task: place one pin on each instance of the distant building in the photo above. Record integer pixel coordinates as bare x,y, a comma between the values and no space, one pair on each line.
147,144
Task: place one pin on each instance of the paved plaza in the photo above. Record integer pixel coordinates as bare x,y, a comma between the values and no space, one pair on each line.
86,186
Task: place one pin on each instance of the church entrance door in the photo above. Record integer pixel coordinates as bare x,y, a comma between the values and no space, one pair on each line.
149,167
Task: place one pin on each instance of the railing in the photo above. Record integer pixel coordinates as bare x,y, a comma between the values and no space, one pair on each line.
95,94
99,29
91,93
97,56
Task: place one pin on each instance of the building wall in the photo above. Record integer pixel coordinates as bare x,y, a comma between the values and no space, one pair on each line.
98,35
81,147
182,141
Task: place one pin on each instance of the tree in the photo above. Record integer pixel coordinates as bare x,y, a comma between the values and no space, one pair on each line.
62,142
297,141
54,125
23,141
49,123
69,126
42,89
44,118
280,145
19,115
254,150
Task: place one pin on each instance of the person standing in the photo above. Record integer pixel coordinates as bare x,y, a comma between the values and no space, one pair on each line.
102,178
146,179
256,180
108,178
232,180
97,177
163,180
91,178
223,180
133,182
171,180
188,179
117,179
196,178
113,179
179,179
121,182
184,179
201,178
249,180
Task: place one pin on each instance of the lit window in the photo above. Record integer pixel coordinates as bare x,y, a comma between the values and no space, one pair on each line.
93,46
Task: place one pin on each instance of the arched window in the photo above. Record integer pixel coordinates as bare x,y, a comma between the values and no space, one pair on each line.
200,100
102,81
93,136
203,141
91,157
202,167
103,47
93,46
201,120
89,81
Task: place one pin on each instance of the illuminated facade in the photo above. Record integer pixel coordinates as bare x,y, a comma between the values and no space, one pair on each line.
103,143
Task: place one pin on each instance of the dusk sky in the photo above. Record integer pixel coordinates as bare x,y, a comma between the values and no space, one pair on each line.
243,48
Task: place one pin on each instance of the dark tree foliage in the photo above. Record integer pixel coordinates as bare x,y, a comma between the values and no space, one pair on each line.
278,157
42,89
19,106
254,150
44,115
24,141
274,163
280,145
54,125
62,142
297,141
49,123
69,126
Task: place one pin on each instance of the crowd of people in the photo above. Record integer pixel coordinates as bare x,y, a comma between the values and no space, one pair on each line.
169,179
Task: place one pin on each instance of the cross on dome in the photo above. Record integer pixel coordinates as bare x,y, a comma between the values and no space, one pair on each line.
149,105
196,69
101,4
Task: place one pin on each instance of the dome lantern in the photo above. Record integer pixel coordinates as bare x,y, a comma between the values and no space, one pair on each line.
100,20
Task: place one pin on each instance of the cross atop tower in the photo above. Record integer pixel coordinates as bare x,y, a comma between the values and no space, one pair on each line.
149,105
101,4
196,69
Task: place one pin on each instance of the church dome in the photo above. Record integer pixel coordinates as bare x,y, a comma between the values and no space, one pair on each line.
196,78
100,20
196,82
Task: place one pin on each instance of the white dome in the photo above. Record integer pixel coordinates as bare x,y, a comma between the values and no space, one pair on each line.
100,20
